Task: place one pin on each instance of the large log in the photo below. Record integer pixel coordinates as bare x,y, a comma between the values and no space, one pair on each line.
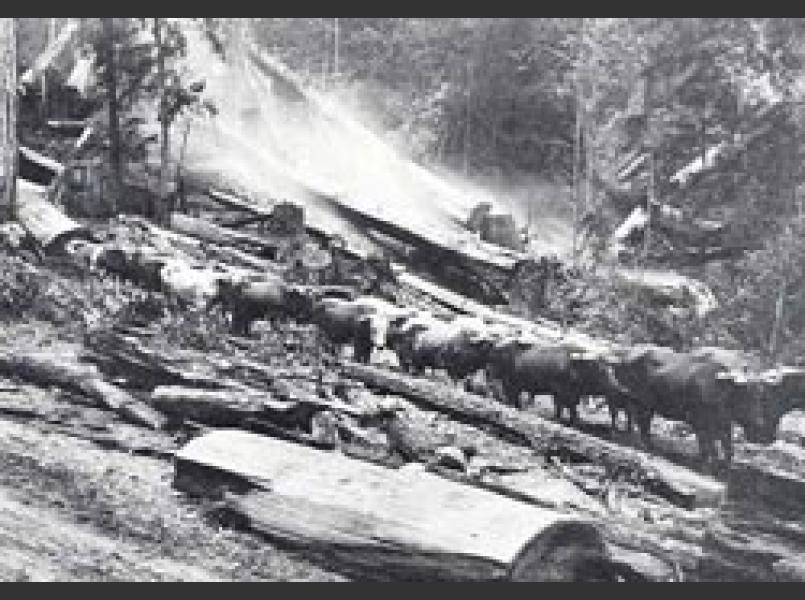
124,356
678,484
211,232
50,369
210,407
174,238
286,404
46,223
391,524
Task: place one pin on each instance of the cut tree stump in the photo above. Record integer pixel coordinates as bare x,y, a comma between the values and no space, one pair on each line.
390,524
676,483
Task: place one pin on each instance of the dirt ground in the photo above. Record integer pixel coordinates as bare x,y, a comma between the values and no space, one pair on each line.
70,510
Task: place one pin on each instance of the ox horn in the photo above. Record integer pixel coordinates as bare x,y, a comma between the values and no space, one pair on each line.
583,355
737,377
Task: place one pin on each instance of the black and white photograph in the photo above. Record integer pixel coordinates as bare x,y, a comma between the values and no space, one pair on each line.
398,299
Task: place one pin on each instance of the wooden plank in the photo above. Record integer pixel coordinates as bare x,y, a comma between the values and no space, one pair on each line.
406,523
676,483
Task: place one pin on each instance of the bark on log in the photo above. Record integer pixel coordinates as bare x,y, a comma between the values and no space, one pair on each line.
391,524
211,407
226,253
120,356
207,231
286,405
124,356
47,369
676,483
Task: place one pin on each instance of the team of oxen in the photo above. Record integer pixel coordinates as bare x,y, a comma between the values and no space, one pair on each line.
708,388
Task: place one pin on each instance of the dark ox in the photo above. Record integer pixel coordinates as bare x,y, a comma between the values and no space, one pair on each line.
695,388
564,371
463,354
423,343
247,300
402,331
348,323
782,390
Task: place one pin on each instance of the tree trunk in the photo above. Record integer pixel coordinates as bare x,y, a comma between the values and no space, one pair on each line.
577,141
162,212
10,143
336,42
778,319
51,35
390,524
110,77
468,122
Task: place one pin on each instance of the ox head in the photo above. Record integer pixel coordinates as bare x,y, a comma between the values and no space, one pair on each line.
482,346
591,365
501,355
376,327
756,404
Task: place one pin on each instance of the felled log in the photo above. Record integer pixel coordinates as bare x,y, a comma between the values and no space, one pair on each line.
389,524
49,369
223,252
285,404
211,232
231,201
124,356
120,356
46,223
676,483
756,553
221,408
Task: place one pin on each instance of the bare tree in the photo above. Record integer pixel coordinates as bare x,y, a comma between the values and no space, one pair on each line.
162,210
110,76
10,144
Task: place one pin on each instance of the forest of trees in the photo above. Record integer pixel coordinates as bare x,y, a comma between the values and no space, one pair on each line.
573,99
611,108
